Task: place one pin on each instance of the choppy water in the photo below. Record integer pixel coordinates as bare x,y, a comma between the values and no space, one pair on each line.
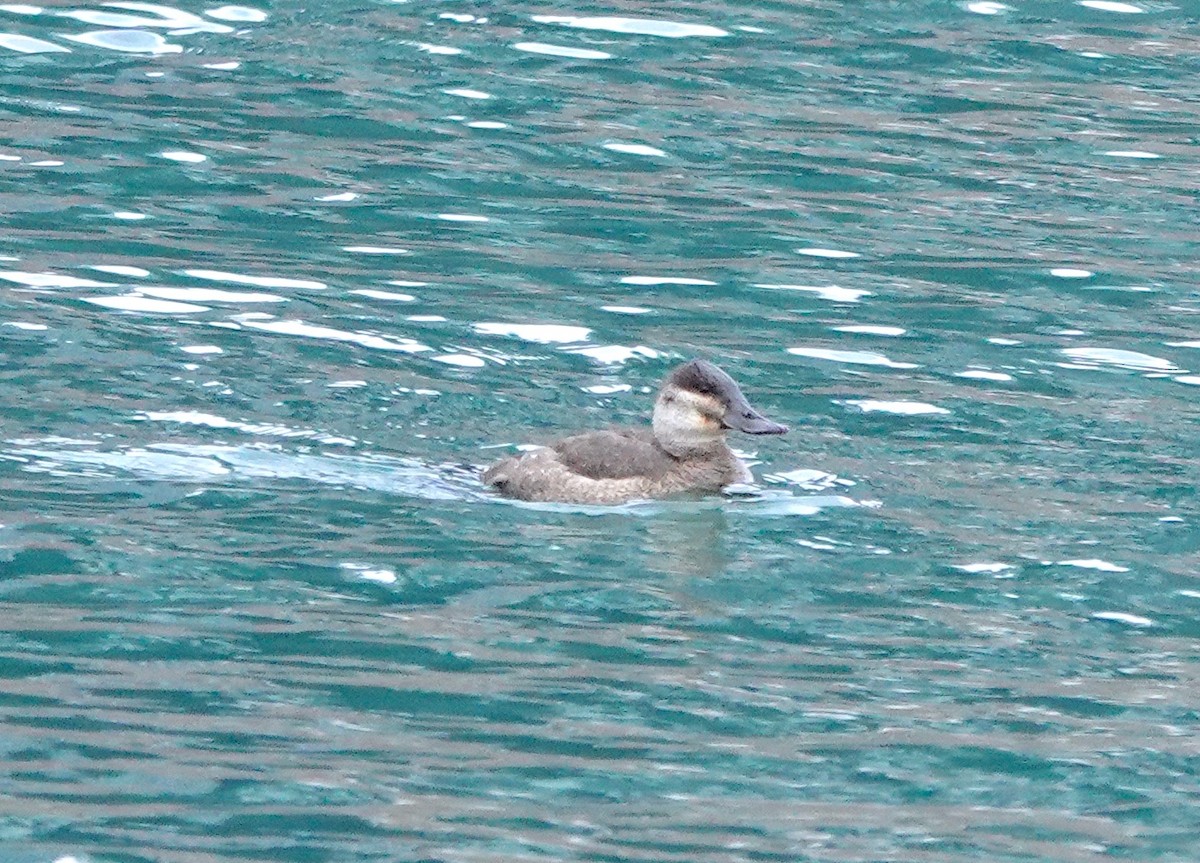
274,279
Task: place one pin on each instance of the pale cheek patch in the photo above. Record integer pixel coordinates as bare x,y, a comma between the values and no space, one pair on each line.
709,409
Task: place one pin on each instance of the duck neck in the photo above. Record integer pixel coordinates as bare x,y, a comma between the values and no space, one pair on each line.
677,432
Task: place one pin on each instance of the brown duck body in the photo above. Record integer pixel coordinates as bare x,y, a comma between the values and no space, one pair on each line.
684,451
613,466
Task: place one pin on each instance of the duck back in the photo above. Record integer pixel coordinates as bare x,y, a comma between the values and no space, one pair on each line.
615,453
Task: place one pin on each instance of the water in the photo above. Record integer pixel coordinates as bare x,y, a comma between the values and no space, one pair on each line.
274,281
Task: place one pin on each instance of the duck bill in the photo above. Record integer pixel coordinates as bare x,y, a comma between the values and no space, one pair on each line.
747,420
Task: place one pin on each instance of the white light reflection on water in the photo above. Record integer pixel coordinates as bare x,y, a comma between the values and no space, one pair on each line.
30,45
871,330
1111,6
153,15
832,293
1121,359
634,26
634,149
127,41
238,14
866,358
323,333
616,354
145,305
258,281
832,254
561,51
121,270
185,156
51,280
540,333
653,281
209,295
900,408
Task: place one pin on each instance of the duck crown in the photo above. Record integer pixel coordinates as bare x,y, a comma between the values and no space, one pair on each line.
704,378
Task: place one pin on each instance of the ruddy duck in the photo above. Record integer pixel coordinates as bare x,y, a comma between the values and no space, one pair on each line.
684,450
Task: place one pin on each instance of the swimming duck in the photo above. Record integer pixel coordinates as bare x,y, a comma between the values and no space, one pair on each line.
684,449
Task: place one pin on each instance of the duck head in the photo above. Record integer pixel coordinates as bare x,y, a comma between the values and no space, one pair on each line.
698,404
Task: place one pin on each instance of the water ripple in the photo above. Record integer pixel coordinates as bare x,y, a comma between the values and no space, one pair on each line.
274,282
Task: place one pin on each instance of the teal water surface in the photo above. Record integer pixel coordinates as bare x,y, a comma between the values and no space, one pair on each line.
276,280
